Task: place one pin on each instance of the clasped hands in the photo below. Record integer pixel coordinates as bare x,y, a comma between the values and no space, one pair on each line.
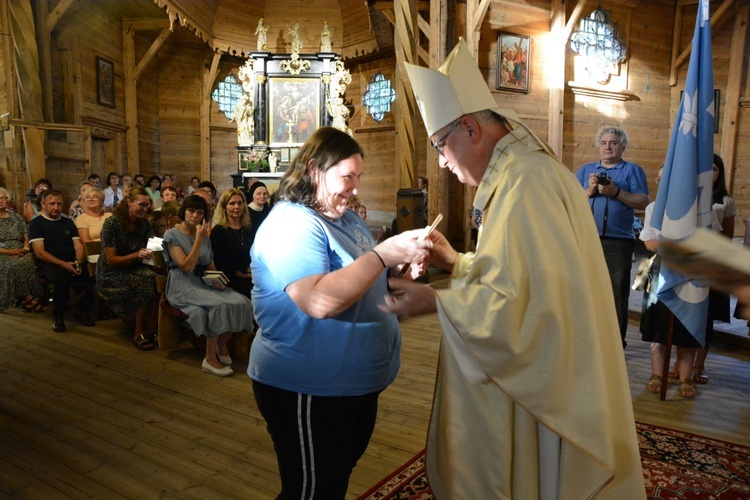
409,298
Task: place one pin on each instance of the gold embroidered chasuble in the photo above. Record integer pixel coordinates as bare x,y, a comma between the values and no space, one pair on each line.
532,397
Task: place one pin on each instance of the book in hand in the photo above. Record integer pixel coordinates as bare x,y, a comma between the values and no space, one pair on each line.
212,277
710,258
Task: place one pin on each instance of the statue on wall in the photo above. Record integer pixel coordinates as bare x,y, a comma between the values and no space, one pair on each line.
262,32
273,161
245,75
296,43
335,102
325,39
243,115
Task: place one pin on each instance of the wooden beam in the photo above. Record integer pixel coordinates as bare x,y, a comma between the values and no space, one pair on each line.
208,76
424,27
675,45
686,53
54,17
390,16
558,30
729,129
45,125
147,24
477,17
407,44
73,100
438,178
131,97
573,21
151,52
43,42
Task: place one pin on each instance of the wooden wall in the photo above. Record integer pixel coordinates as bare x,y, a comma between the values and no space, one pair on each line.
169,100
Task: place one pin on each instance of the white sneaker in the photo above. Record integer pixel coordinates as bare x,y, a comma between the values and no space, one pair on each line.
219,372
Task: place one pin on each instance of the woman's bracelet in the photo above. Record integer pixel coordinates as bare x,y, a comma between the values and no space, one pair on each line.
379,257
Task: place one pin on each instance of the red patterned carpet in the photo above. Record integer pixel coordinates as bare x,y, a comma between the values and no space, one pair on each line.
676,465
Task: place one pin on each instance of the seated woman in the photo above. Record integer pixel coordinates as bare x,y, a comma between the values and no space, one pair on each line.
17,276
33,205
230,240
153,187
214,311
124,283
90,222
113,191
76,207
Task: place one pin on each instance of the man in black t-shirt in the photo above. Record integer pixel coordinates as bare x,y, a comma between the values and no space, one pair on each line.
59,257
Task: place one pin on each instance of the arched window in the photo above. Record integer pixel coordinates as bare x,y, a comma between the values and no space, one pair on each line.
378,97
227,94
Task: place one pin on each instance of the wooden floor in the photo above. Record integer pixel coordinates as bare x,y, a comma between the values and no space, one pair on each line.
85,414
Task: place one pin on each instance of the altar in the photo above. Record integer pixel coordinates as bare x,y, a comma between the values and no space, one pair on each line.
286,97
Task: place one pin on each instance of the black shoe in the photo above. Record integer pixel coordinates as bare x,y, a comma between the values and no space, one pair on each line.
82,318
58,325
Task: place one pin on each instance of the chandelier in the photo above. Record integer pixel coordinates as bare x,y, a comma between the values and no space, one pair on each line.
598,42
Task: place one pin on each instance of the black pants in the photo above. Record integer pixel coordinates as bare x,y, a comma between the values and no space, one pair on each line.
618,252
61,281
318,440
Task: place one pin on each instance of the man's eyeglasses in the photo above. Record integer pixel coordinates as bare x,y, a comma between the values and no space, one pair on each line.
441,142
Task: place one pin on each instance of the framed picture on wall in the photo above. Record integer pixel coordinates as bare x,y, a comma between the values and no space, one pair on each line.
105,82
284,155
293,109
513,62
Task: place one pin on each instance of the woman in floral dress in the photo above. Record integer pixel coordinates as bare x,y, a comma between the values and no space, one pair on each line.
125,284
17,276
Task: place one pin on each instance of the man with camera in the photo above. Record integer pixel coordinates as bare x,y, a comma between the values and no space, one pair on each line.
616,188
59,254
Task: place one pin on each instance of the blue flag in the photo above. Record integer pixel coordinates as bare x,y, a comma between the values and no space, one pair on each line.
683,201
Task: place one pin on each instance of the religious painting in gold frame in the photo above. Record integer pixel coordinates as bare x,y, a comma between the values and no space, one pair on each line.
293,109
105,82
513,62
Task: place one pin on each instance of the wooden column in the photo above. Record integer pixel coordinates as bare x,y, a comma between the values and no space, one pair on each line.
406,42
26,58
729,129
131,97
208,75
131,71
557,80
439,178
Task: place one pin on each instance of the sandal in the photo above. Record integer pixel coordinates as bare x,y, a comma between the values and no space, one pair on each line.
674,374
143,343
35,306
654,384
699,375
31,304
686,389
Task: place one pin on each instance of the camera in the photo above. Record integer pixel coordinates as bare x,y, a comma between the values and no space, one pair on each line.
603,179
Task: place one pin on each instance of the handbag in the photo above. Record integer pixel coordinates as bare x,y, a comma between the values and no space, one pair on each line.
642,274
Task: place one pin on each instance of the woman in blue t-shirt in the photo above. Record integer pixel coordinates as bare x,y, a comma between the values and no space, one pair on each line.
324,350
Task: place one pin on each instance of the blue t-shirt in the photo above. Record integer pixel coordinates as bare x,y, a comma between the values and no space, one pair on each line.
627,176
354,353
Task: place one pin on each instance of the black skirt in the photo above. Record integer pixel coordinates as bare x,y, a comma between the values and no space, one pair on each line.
655,317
